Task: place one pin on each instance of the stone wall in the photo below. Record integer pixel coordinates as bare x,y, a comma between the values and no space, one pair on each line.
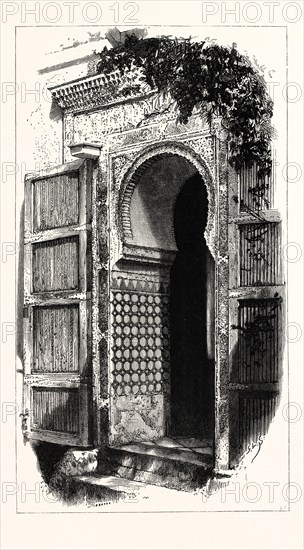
135,380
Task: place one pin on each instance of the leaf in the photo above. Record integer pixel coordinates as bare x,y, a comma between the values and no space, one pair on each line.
218,78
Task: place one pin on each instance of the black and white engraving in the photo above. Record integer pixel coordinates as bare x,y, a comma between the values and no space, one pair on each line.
153,313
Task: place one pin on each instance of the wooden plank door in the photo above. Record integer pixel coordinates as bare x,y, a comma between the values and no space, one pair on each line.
57,304
256,304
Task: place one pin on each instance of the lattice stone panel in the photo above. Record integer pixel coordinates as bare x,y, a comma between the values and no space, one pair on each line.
55,265
260,254
55,338
260,333
255,416
140,343
56,409
55,201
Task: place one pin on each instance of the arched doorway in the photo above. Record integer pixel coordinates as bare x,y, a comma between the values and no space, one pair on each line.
165,276
192,316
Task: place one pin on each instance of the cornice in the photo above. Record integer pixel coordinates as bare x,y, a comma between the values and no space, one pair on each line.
91,92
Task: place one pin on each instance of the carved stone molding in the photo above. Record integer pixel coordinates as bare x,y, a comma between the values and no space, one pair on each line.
129,175
121,164
85,150
203,147
151,130
91,92
218,130
143,254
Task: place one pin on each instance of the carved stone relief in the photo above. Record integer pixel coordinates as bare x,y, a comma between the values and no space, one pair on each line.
126,176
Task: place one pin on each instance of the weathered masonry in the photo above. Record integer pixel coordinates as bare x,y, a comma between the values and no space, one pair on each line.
153,285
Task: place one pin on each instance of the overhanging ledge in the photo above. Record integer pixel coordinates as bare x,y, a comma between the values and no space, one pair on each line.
91,92
82,91
85,150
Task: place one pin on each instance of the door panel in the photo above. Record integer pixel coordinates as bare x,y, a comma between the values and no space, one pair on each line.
256,311
57,312
56,338
55,265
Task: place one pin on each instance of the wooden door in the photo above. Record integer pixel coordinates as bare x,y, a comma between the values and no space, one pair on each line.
57,304
256,305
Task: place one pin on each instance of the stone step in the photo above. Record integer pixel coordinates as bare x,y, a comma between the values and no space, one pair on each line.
90,489
96,490
174,468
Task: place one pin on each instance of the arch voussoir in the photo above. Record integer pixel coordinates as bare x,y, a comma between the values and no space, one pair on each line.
143,161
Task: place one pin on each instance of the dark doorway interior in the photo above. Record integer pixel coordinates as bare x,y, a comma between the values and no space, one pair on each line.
192,368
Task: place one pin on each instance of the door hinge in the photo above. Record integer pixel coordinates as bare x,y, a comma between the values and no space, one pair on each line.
24,425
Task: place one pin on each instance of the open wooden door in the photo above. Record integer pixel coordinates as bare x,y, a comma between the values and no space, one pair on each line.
256,302
57,305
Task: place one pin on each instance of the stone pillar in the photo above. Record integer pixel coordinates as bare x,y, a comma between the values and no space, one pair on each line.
222,304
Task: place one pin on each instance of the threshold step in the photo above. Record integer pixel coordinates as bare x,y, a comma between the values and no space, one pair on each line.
115,483
107,489
183,468
189,456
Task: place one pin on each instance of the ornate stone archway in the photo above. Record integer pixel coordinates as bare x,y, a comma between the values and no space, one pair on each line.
128,168
142,162
131,140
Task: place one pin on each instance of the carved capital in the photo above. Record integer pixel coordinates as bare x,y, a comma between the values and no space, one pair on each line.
218,130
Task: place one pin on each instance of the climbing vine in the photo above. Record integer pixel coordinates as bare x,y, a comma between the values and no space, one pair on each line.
212,79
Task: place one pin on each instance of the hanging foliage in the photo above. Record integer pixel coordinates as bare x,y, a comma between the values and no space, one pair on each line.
216,80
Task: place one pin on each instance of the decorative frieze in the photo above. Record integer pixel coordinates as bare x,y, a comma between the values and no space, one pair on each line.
90,91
